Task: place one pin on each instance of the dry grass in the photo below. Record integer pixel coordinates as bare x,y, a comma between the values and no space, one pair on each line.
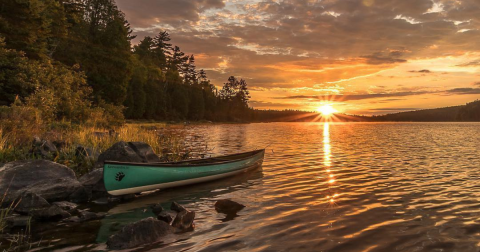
166,143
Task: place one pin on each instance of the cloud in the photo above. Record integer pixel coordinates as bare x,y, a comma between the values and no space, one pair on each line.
421,71
351,97
463,91
471,63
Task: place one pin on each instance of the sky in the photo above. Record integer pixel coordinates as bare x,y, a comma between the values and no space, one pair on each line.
360,56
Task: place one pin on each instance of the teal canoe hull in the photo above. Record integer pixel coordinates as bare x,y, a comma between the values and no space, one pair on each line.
125,178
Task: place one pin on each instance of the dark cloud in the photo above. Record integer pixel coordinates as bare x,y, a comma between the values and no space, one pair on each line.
146,13
421,71
476,83
350,97
377,59
463,91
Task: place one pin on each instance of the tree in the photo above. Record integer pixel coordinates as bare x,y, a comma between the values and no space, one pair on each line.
33,26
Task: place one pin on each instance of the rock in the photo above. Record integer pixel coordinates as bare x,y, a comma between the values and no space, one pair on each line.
128,152
227,206
156,209
87,152
43,148
80,195
52,213
65,205
145,151
18,221
88,216
93,183
59,144
184,221
29,201
20,176
56,189
166,216
142,232
177,207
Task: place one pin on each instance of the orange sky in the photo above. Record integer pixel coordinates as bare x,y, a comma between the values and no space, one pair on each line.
360,56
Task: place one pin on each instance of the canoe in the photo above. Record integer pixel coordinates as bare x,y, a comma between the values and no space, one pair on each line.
125,178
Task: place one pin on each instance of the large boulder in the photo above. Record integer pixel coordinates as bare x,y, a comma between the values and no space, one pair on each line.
49,180
93,183
140,233
56,189
177,207
128,152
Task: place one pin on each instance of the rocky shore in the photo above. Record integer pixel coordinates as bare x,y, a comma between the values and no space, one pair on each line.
38,192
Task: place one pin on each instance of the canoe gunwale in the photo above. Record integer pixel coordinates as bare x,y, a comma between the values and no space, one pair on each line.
185,164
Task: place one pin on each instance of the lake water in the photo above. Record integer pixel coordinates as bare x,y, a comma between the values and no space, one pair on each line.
330,187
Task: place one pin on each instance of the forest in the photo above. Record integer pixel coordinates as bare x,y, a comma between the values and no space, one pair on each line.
73,60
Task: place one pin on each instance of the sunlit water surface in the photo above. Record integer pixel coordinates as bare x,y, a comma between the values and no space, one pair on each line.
331,187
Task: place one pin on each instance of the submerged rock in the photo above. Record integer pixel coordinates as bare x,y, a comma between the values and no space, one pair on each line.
29,201
65,205
18,221
177,207
47,179
157,209
52,213
128,152
184,221
84,216
142,232
228,207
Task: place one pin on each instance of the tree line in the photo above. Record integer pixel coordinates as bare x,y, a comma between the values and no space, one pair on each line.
73,60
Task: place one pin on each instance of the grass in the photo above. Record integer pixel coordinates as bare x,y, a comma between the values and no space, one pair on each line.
17,145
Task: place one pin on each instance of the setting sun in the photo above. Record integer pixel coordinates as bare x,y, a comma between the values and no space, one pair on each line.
326,110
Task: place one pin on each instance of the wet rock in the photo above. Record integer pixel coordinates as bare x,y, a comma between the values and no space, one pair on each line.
177,207
93,183
20,176
142,232
157,209
18,221
228,207
128,152
166,216
65,205
184,221
84,216
43,148
52,213
29,201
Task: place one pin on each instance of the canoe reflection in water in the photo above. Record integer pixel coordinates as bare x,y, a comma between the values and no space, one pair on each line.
199,197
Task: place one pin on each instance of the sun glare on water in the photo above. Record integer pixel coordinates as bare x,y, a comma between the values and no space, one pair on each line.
326,110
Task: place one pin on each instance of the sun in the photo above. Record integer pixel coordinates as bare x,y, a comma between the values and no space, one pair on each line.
326,110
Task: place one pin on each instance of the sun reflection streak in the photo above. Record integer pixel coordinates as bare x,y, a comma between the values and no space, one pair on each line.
327,162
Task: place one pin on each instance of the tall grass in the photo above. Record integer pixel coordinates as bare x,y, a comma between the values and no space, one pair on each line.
165,143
